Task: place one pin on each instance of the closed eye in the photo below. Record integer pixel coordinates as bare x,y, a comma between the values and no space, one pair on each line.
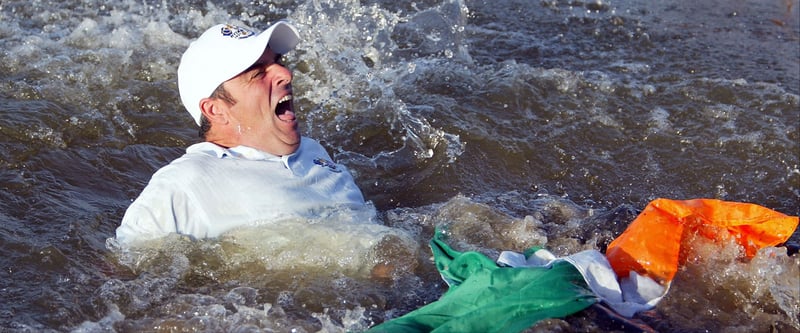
259,73
259,69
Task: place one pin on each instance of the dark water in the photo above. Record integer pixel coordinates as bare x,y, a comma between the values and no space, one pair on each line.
513,123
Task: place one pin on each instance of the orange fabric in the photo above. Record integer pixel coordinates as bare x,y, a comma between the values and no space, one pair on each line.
651,244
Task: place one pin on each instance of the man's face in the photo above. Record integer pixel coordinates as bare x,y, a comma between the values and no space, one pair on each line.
264,110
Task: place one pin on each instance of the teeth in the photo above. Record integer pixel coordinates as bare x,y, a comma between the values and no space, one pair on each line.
285,99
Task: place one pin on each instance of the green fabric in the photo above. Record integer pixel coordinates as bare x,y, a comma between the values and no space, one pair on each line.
486,298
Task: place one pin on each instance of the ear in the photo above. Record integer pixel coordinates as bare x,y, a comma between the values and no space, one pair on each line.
214,110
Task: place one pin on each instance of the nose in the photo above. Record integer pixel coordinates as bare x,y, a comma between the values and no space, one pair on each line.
283,76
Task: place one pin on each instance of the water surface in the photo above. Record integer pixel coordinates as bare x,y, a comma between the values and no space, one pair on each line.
512,124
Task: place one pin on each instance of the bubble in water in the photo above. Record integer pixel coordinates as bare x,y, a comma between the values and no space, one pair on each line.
411,67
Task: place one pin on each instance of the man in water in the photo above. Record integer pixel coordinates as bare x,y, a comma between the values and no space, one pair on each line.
253,164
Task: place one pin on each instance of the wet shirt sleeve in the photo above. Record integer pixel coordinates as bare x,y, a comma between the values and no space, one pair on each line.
164,206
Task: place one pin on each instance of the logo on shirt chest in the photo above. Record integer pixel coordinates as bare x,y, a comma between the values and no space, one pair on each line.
327,164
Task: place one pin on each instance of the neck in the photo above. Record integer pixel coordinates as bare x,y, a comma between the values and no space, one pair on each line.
218,139
230,136
228,143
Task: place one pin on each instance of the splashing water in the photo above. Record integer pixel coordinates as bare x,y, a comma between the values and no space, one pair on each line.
513,124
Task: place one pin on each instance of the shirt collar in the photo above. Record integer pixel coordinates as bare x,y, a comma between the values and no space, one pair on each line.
242,152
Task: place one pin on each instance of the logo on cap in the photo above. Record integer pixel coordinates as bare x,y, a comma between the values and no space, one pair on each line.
233,31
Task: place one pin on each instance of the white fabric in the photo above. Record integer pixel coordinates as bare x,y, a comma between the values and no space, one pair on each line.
628,296
210,190
222,52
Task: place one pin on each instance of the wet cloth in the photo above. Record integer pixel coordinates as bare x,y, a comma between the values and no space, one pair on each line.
626,296
651,244
485,297
633,276
211,189
640,264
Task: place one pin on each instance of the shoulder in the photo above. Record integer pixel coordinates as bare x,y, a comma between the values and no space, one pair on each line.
307,143
310,147
198,160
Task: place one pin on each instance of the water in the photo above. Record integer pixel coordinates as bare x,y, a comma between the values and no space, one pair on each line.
513,123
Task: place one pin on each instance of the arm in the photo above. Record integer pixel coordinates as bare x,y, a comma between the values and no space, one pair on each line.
162,208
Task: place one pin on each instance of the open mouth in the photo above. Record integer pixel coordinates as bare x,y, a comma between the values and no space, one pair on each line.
284,109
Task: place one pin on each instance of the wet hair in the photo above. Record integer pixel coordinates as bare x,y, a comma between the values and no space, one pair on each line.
219,93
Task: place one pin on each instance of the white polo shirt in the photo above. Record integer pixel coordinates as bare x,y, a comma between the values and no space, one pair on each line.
210,190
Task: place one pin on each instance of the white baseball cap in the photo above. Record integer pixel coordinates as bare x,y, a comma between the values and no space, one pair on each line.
221,53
